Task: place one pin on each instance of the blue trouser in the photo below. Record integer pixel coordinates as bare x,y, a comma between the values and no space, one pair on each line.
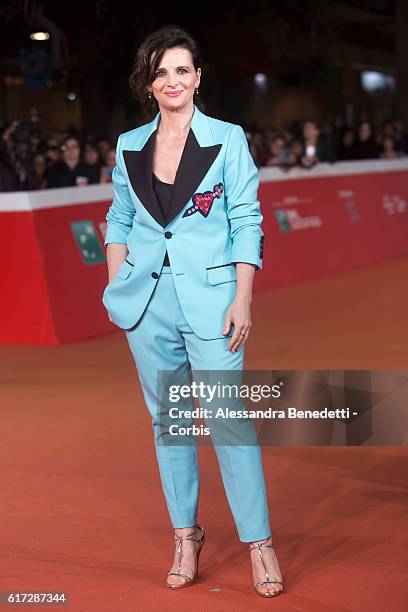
163,340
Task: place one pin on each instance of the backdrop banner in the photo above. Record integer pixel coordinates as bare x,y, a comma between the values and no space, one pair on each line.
333,219
316,222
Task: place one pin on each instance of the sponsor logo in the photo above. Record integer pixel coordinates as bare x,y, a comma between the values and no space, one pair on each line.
87,240
290,220
394,204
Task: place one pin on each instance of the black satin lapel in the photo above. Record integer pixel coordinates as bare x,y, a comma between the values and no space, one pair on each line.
139,166
194,165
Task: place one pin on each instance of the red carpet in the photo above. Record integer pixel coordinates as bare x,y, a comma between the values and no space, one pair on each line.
82,508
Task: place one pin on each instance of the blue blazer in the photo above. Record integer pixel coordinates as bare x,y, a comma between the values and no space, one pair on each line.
214,221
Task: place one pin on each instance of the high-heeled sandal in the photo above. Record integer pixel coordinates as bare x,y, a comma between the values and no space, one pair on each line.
258,546
189,580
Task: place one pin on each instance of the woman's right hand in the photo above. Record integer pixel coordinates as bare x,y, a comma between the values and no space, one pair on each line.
115,255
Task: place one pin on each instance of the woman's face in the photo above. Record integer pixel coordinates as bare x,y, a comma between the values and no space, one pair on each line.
71,150
110,158
175,79
296,148
365,131
277,145
348,138
91,155
103,147
388,144
310,131
40,165
53,153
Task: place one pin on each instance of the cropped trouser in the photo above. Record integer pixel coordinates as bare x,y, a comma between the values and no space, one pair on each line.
162,340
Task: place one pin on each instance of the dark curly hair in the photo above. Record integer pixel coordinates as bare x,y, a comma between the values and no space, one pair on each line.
143,71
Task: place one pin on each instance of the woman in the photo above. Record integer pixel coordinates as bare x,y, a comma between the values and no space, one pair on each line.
347,147
183,242
389,150
277,151
40,180
92,160
107,168
366,146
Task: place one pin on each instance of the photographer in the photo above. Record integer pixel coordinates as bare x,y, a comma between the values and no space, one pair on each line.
315,148
16,145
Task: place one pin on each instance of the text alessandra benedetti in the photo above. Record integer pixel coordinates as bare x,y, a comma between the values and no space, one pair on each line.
289,413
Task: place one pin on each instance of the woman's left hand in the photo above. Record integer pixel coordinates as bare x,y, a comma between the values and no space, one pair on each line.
239,313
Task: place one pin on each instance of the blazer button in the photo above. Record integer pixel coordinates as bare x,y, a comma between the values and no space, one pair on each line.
155,275
168,234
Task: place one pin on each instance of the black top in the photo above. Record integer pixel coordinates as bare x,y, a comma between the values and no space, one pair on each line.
366,149
61,175
163,192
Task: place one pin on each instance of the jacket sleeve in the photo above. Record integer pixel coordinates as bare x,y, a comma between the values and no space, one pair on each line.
243,208
121,212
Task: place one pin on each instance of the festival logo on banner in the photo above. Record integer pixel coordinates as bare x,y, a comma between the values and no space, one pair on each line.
291,220
348,197
87,240
281,219
394,204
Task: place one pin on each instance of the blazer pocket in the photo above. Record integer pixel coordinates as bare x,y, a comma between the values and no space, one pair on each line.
125,270
222,274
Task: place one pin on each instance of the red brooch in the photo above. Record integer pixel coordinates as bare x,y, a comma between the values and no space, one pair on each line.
202,202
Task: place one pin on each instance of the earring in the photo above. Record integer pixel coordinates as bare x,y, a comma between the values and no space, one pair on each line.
196,91
150,95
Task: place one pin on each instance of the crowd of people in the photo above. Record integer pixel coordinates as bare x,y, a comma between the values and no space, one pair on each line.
29,160
306,144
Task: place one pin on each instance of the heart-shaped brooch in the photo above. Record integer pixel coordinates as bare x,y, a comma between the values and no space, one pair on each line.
202,202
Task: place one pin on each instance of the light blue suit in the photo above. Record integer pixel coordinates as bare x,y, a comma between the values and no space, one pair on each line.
174,316
201,248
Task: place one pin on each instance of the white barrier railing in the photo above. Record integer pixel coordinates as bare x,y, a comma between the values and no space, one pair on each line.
24,201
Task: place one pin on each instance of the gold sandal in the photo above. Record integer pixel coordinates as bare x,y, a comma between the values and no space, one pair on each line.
258,545
190,536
